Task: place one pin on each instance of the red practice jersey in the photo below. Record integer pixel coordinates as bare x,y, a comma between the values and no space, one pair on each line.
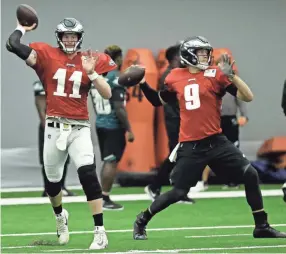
65,81
200,99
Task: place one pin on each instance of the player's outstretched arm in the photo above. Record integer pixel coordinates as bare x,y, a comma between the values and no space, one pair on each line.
243,91
120,111
23,51
101,85
156,98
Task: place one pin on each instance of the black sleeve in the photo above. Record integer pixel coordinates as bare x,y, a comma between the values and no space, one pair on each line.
153,96
168,96
232,89
118,94
284,98
14,45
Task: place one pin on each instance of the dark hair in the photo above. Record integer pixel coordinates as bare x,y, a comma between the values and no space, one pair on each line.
172,52
113,51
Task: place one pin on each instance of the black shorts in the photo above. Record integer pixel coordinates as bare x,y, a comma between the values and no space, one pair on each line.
216,151
41,139
111,143
230,129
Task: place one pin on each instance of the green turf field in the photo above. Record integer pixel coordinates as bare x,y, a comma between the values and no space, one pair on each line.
125,190
218,225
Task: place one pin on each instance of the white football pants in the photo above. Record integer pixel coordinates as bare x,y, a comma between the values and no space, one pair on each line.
77,143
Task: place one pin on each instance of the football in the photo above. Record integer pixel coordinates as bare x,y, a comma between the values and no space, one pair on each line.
131,76
27,16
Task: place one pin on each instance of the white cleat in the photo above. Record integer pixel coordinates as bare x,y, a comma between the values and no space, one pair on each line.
62,227
100,240
200,186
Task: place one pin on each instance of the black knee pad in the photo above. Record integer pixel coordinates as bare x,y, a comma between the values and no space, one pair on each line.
89,181
250,177
53,189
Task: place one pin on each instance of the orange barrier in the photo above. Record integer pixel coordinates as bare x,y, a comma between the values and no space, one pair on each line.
139,156
217,52
161,144
275,145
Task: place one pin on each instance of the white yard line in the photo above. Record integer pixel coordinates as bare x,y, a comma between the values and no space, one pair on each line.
131,230
157,251
134,197
18,247
178,250
31,189
213,236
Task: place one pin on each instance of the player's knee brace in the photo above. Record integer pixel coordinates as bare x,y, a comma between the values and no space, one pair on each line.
53,189
89,181
250,177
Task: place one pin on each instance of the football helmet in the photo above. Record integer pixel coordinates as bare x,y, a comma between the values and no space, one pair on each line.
69,25
188,52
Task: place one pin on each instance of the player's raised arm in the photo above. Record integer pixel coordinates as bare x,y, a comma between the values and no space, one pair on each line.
243,91
88,64
23,51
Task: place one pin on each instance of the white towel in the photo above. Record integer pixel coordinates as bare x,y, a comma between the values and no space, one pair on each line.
65,131
173,155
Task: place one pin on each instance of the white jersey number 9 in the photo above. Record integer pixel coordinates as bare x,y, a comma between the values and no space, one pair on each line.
192,96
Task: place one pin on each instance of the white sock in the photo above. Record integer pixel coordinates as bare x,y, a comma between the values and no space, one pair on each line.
99,228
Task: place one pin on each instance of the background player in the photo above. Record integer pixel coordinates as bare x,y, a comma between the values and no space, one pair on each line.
111,125
40,102
230,123
67,75
199,89
172,121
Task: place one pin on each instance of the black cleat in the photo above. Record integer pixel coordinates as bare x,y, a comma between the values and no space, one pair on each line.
139,228
187,200
112,206
231,186
152,193
284,192
265,231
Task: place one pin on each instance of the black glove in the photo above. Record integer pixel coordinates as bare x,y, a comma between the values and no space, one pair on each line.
226,66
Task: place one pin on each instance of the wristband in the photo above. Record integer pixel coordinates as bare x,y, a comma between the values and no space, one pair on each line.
21,28
93,76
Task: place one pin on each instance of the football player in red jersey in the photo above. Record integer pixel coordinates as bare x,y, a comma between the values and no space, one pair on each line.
199,89
67,74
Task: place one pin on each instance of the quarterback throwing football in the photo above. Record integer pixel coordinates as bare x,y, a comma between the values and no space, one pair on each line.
67,74
199,89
